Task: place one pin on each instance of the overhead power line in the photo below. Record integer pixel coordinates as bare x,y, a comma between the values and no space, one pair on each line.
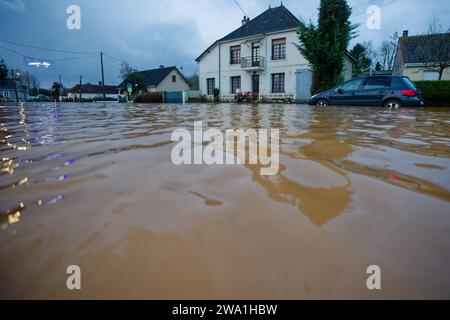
110,56
237,3
61,59
380,5
47,49
12,51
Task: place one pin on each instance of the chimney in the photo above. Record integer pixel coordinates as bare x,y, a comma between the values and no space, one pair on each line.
100,83
245,20
405,33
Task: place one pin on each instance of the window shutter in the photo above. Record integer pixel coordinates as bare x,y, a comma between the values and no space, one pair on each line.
279,41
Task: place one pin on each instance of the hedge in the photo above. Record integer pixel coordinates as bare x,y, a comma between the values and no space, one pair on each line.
435,93
150,97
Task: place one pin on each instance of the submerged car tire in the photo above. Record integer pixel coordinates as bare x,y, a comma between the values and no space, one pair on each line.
393,104
322,103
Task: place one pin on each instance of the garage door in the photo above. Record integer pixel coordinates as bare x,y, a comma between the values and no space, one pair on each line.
304,82
173,97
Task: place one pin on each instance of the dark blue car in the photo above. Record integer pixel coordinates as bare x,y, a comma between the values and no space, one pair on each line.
387,91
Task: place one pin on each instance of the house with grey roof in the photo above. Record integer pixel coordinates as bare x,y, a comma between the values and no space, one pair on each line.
163,79
261,57
423,57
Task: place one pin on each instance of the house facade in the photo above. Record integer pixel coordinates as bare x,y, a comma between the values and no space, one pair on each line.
92,92
416,56
259,57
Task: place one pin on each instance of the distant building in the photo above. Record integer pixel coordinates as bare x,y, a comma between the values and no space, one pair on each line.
260,57
414,54
163,79
10,88
377,73
92,92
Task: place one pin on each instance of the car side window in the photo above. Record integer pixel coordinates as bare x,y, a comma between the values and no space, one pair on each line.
352,85
377,83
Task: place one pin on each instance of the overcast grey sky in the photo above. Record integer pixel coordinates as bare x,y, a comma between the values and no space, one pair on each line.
149,33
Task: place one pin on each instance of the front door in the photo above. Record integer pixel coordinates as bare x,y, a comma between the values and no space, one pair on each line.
255,83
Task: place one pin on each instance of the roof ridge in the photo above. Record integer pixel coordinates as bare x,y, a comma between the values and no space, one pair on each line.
426,35
272,20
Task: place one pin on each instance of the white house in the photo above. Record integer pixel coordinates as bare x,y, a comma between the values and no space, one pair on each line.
418,57
92,92
163,79
260,57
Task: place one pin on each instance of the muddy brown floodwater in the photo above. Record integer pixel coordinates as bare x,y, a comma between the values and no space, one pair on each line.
93,185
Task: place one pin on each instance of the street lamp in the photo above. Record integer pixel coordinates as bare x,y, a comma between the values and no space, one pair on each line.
16,74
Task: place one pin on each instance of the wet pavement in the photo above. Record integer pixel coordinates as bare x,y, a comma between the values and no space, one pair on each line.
93,185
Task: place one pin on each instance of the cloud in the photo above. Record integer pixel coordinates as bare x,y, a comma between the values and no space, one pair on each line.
13,5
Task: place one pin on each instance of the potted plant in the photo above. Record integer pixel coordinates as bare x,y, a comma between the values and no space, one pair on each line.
216,93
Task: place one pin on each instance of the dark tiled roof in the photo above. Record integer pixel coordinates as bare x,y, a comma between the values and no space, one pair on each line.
92,88
419,49
154,77
271,20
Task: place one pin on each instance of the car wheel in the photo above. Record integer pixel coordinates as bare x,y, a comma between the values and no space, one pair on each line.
393,104
322,103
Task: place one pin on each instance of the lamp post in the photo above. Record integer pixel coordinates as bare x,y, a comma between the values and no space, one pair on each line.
15,74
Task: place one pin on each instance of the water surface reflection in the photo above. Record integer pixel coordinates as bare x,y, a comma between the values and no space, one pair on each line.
93,184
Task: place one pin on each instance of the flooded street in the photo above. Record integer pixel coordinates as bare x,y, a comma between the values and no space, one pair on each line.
93,185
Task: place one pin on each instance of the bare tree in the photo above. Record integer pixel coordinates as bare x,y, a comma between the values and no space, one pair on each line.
126,69
386,52
434,49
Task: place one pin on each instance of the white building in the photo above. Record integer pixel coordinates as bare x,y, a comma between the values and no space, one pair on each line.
417,57
92,92
163,79
260,57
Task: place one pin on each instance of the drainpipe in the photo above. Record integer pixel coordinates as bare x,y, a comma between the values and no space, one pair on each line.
220,68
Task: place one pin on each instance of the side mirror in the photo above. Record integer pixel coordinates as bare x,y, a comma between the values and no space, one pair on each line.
340,91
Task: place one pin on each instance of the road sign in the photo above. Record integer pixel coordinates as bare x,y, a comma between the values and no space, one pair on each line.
130,87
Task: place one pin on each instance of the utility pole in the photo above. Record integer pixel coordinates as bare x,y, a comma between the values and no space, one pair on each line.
103,77
13,73
60,88
28,81
81,78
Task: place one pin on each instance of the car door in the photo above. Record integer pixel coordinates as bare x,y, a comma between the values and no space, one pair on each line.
346,94
373,91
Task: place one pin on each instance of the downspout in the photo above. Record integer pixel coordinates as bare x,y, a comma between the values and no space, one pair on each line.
220,69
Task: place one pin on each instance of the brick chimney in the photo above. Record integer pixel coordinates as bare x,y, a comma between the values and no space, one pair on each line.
405,33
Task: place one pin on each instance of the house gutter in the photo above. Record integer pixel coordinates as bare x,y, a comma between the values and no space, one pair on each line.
418,64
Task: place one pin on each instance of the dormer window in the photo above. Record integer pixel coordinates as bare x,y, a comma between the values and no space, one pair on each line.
235,55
